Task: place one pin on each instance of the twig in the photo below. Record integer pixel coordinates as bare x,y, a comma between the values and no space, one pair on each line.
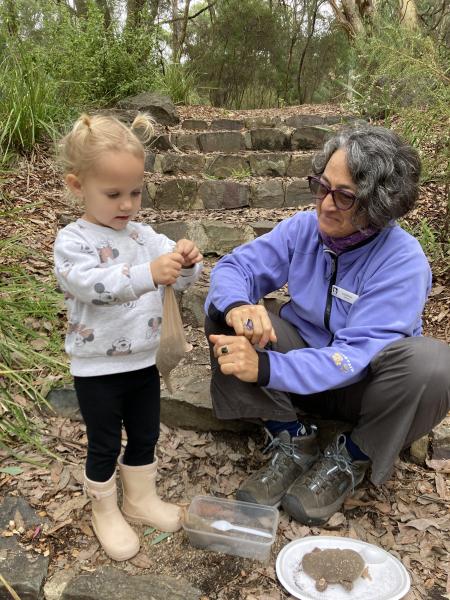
9,588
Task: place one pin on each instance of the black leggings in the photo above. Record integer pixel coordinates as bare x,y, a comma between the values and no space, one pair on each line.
107,402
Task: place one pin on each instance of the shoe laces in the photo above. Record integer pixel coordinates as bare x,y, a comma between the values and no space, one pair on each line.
335,461
282,450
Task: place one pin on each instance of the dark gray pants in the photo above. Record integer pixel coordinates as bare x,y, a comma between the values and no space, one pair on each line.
405,393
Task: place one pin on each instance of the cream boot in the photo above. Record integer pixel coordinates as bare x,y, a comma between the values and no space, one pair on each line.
118,539
141,503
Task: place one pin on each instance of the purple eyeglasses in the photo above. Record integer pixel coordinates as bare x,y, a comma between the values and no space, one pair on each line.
342,199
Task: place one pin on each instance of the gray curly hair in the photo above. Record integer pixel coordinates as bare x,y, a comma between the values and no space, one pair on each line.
384,168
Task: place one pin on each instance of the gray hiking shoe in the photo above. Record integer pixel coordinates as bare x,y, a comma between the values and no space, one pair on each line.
315,496
291,458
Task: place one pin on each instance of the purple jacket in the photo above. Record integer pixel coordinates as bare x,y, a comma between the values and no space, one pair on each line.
347,308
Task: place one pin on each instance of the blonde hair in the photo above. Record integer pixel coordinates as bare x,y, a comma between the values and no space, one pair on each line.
91,136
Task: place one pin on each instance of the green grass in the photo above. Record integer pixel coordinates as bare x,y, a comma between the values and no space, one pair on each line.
436,248
31,346
240,173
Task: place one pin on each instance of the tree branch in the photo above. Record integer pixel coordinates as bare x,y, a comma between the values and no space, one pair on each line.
211,4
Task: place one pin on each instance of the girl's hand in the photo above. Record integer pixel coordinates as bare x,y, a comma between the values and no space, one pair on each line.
236,356
189,251
253,322
166,269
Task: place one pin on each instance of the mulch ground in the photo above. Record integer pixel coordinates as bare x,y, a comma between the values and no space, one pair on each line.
409,516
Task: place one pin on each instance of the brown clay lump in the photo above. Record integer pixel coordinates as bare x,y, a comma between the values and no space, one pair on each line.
333,566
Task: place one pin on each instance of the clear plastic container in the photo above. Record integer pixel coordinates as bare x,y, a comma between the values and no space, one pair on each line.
216,524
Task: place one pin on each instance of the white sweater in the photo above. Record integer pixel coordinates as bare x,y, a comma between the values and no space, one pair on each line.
114,308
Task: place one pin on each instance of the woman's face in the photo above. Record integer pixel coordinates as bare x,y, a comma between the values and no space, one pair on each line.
332,221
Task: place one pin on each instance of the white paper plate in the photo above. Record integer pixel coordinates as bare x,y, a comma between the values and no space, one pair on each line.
389,578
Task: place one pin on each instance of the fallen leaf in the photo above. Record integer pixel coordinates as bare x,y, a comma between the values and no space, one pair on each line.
142,561
11,470
441,465
149,530
159,538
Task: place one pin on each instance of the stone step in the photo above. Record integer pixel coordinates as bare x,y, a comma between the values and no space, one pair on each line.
189,193
252,122
239,165
281,138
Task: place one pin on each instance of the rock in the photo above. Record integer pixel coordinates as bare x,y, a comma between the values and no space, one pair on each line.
13,505
108,582
150,159
419,450
55,586
223,194
211,237
297,193
148,194
227,125
25,572
192,303
262,227
269,165
299,165
64,402
161,141
178,194
184,164
186,141
190,405
224,237
195,124
264,121
268,138
304,120
221,141
192,230
268,194
275,300
158,105
225,165
310,138
441,440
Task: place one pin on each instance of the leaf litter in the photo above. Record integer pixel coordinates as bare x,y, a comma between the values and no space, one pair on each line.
407,516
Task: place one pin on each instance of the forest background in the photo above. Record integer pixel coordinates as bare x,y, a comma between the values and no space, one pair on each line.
385,60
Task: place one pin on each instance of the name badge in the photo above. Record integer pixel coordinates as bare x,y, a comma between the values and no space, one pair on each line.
344,294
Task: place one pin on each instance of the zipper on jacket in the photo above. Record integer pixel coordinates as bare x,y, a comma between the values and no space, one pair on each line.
326,317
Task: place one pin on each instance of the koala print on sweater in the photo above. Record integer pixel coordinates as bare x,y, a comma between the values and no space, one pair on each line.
137,237
64,267
119,347
85,249
130,304
82,334
154,325
106,252
105,298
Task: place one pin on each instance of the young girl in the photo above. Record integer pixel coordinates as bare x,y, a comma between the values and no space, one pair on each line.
111,270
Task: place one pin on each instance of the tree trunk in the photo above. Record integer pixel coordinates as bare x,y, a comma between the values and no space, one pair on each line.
103,5
183,30
408,14
312,25
351,14
134,13
81,8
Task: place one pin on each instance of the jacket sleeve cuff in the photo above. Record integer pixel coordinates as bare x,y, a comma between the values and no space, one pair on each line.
141,279
216,315
263,369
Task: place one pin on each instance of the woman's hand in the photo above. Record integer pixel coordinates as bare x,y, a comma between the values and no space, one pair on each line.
236,356
253,322
166,268
189,251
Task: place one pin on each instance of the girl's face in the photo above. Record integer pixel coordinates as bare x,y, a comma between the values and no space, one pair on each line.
332,221
111,190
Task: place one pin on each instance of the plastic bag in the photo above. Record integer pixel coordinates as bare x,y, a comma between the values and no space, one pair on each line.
172,344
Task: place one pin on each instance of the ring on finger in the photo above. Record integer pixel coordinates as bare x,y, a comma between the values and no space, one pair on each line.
248,325
224,350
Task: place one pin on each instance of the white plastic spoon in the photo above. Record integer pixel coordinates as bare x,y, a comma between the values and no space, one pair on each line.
223,525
